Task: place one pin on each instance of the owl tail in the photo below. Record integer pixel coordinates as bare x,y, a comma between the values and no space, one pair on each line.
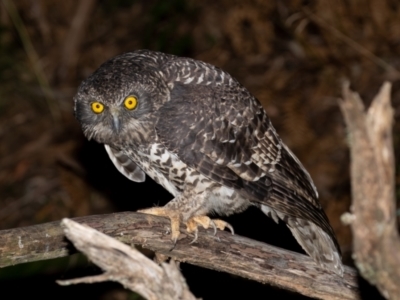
314,240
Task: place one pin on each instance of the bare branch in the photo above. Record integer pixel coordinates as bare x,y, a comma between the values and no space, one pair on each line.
223,252
126,265
375,237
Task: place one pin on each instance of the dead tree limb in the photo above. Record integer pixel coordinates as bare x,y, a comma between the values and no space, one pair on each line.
126,265
224,252
373,220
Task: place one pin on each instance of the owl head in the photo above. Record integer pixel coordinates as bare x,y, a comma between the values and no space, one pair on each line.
120,98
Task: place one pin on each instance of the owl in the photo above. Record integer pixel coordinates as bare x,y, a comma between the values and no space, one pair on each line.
199,133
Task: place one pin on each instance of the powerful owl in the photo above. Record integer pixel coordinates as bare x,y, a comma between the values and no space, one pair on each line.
199,133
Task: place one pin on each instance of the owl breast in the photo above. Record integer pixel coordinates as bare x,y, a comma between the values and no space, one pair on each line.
165,168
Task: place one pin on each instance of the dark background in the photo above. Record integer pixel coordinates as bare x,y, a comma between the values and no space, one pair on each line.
292,55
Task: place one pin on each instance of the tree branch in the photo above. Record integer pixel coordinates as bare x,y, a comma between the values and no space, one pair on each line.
126,265
375,237
223,252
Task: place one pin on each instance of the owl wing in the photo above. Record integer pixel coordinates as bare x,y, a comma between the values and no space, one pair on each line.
232,127
224,133
125,165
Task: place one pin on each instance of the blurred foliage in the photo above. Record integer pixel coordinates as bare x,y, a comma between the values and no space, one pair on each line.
292,55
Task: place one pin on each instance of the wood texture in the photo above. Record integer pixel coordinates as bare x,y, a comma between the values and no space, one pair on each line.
126,265
224,252
373,220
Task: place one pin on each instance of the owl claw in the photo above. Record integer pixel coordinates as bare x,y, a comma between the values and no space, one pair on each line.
229,226
191,225
174,237
214,226
173,246
195,237
221,225
205,222
172,215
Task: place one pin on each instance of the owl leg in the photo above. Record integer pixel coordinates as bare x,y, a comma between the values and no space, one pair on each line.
173,215
193,223
187,210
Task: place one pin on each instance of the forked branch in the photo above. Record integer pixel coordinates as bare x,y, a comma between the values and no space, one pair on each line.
373,221
126,265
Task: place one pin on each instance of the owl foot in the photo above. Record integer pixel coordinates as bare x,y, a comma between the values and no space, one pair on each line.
165,212
193,223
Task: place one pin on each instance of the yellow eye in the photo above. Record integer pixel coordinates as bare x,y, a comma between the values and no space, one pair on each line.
97,107
131,102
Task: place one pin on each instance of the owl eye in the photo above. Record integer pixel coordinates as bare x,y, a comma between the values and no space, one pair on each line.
131,102
97,107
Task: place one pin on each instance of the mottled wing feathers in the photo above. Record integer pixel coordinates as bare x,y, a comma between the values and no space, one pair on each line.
224,133
125,165
194,72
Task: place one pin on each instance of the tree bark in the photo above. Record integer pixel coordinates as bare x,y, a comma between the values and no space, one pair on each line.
224,252
373,220
126,265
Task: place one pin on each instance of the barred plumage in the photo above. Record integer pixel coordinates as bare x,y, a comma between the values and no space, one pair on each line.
207,140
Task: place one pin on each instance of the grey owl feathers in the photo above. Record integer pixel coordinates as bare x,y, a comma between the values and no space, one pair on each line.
200,134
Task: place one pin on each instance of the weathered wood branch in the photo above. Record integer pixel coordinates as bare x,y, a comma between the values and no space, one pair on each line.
224,252
126,265
373,220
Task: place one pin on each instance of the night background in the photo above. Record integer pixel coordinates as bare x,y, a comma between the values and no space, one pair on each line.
292,55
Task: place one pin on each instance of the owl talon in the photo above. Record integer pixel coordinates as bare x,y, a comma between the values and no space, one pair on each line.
221,225
195,237
214,226
229,226
174,237
172,215
205,222
172,248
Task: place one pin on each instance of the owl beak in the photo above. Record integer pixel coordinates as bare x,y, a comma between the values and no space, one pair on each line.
115,121
116,124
